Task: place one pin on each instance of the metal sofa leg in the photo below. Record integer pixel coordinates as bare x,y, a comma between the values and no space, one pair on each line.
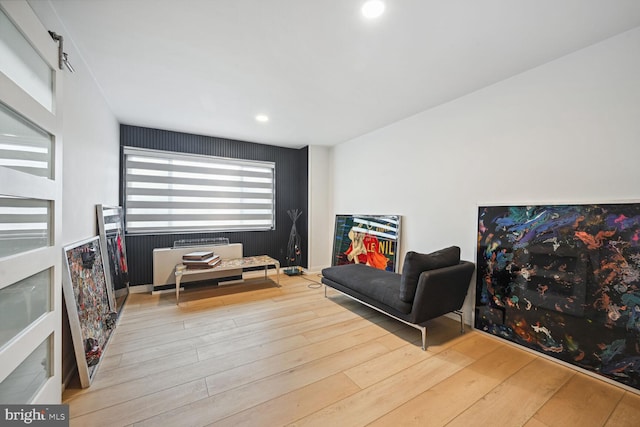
460,313
423,330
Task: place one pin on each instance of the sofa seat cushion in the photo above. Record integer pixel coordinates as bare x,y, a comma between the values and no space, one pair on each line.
378,285
415,263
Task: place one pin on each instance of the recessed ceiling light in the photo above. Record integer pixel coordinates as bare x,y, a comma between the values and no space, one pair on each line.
262,118
372,9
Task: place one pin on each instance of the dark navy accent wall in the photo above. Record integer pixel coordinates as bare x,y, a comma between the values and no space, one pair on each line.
291,193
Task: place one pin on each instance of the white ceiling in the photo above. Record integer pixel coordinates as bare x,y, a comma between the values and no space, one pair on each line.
321,72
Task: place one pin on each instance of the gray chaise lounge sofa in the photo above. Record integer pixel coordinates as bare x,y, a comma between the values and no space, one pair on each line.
430,285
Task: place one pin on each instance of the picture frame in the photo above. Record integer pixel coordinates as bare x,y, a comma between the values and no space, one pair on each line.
112,241
564,281
91,318
368,239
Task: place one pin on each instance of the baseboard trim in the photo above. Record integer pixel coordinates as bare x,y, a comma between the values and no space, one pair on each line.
141,289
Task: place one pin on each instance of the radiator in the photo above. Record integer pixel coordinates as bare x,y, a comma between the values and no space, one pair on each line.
165,260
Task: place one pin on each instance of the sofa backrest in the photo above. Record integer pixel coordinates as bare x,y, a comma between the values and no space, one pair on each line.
415,263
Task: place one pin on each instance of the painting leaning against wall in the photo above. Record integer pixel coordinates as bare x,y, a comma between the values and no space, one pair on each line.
367,239
564,280
91,319
112,245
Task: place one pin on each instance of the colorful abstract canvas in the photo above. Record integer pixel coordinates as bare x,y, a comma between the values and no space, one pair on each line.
564,280
90,316
366,239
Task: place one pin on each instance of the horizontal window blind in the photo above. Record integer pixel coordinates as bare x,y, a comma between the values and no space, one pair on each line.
24,146
24,224
168,192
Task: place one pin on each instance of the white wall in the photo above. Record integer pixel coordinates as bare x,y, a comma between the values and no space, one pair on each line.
90,160
91,140
320,207
567,131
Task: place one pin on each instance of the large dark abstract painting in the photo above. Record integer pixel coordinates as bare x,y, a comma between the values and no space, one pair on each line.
366,239
564,280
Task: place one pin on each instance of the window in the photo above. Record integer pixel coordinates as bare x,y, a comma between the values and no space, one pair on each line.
23,146
25,224
24,382
23,64
24,302
167,192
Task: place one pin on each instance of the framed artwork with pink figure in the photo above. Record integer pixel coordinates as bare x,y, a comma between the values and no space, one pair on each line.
112,244
367,239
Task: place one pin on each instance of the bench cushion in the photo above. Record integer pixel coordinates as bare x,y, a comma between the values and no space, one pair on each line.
415,263
378,285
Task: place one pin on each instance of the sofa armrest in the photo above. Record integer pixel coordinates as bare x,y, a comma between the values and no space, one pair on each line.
441,291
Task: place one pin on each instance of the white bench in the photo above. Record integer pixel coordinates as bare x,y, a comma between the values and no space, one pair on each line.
227,265
166,259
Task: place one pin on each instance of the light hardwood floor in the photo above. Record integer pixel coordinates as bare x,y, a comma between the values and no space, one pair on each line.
254,354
